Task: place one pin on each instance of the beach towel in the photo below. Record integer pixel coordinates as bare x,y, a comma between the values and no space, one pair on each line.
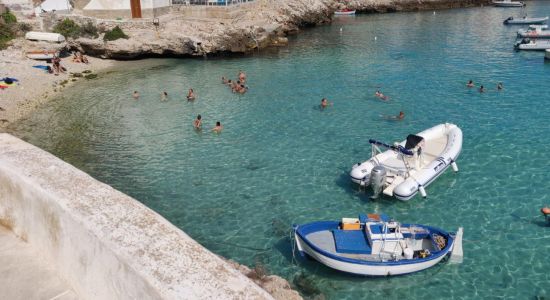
41,67
3,86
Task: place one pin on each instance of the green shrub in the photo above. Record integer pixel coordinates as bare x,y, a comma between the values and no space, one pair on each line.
6,34
8,17
67,28
115,34
89,30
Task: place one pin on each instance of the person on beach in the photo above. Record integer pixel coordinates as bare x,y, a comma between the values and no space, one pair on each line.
242,76
218,128
481,89
190,95
500,86
325,103
82,58
198,123
164,96
381,96
57,67
399,117
135,94
470,84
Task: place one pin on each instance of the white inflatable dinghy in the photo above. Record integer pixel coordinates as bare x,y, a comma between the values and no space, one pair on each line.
408,167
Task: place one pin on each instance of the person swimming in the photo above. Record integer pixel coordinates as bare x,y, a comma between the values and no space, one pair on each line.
242,76
399,117
380,95
135,94
224,80
198,123
324,103
190,95
164,96
500,86
470,84
218,128
481,89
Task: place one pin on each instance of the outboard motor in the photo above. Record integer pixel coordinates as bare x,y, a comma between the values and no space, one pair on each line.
377,180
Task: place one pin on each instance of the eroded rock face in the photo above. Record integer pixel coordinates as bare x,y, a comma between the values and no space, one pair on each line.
256,25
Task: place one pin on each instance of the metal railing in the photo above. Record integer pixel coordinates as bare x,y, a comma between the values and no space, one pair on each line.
209,2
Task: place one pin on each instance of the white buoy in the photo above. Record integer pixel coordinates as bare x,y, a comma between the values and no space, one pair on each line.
454,166
422,191
457,255
434,12
375,38
341,29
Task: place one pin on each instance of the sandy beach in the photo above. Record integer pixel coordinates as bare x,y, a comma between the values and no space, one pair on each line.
35,86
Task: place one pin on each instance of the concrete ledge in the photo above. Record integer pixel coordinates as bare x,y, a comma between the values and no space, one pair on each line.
105,244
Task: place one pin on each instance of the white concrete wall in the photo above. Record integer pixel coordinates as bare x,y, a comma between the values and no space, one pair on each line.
104,243
124,4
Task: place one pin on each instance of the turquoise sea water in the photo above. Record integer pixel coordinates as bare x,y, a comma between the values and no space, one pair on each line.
281,160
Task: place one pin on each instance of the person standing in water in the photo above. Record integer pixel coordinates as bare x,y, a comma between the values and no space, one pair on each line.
190,95
135,94
218,128
164,96
500,86
325,103
198,123
481,89
470,84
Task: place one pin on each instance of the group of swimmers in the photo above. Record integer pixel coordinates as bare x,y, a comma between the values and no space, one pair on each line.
325,103
197,124
238,86
471,84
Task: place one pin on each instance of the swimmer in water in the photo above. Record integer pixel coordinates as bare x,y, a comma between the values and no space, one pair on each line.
380,95
135,95
190,95
481,89
500,86
198,123
242,77
399,117
325,103
218,128
224,80
470,84
164,96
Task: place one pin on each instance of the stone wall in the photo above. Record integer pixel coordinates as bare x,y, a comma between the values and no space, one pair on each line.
105,244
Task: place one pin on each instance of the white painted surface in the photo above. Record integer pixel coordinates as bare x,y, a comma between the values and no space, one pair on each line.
105,244
124,4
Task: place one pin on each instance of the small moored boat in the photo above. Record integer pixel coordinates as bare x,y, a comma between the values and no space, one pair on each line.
44,36
525,21
535,31
529,44
375,245
547,54
508,3
410,166
345,12
42,54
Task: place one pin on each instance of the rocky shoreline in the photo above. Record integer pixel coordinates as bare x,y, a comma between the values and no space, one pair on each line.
234,29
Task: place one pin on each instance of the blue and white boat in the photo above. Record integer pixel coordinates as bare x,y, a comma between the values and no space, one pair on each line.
406,168
375,245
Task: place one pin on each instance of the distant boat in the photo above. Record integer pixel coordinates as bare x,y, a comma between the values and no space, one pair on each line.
535,31
375,245
529,44
406,168
525,21
44,36
508,3
345,12
547,54
42,54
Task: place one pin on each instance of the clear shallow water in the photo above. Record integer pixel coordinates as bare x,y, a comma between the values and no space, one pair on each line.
281,160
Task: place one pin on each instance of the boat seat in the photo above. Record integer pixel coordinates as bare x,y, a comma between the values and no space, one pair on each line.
351,241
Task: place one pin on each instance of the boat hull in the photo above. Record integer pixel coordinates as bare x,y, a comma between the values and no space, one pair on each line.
508,4
344,13
534,47
41,55
527,21
370,268
547,54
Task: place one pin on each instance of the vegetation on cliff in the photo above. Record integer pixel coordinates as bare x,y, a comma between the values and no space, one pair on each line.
70,29
115,34
10,28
